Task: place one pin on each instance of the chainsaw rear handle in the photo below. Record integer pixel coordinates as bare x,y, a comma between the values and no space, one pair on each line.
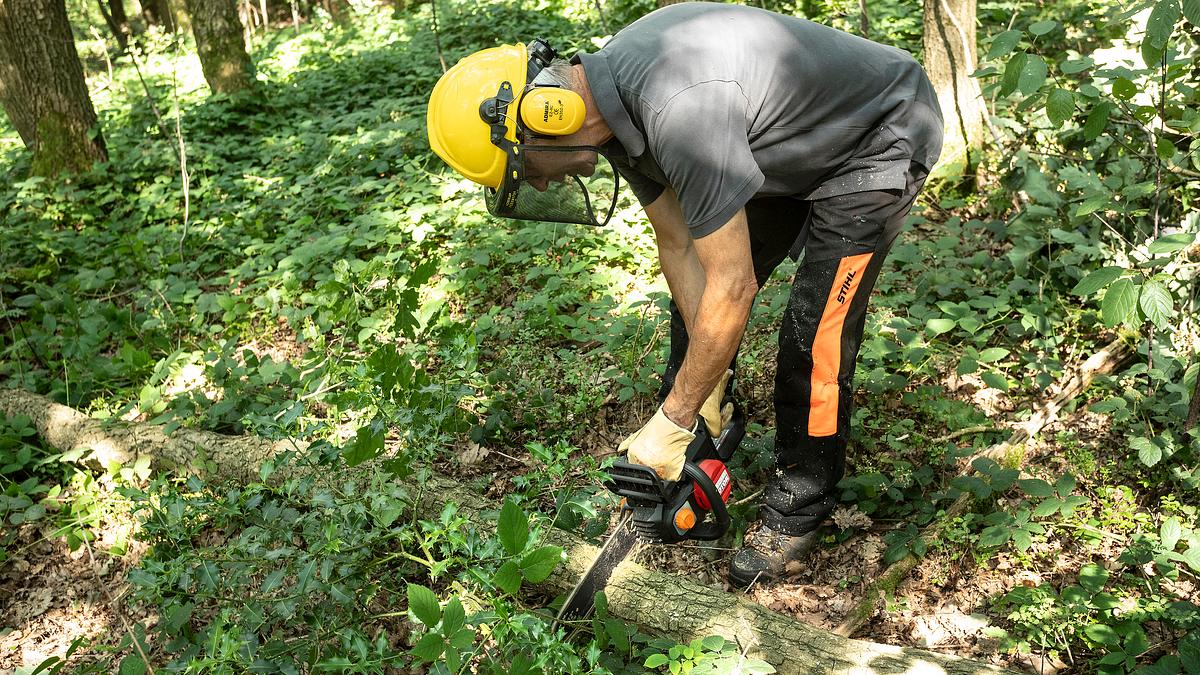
708,531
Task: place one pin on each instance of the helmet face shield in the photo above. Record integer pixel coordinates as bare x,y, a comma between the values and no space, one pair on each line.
569,196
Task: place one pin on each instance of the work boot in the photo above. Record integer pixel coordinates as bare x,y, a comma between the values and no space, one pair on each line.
766,554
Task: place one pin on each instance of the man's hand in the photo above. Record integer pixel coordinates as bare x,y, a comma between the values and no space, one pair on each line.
717,417
661,445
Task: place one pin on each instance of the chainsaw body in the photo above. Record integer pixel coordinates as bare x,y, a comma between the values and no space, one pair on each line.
692,507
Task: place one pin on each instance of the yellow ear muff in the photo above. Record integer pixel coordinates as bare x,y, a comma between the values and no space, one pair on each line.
552,111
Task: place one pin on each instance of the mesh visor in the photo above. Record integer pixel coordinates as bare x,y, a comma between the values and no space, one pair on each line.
587,200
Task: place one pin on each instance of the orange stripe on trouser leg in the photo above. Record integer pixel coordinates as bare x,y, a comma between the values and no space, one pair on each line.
827,347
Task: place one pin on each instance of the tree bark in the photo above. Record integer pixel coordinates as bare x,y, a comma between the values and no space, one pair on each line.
158,13
220,41
117,19
949,41
663,604
42,87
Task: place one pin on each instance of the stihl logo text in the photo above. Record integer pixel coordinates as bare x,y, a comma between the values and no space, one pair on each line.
841,296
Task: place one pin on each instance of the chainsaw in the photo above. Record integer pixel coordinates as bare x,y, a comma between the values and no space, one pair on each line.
661,511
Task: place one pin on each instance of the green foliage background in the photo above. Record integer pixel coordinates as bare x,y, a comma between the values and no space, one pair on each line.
327,279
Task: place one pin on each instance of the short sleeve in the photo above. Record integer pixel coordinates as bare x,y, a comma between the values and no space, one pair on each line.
644,188
700,139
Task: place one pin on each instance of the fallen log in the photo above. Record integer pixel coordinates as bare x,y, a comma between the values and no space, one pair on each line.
1104,361
659,603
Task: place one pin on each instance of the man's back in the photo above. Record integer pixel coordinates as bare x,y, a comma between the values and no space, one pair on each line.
819,112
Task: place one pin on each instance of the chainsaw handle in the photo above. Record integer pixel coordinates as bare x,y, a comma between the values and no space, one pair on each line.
708,531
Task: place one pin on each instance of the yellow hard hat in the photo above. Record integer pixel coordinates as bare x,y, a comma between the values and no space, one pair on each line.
457,131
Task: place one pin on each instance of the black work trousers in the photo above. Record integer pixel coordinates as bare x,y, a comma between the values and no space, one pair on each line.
844,240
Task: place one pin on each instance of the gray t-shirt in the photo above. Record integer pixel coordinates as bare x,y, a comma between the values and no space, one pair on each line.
725,103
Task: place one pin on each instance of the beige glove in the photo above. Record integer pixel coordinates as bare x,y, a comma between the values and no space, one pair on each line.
715,416
660,445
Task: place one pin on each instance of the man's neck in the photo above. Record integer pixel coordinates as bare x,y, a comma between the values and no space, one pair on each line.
595,130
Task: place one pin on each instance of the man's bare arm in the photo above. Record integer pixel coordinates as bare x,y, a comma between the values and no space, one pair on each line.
712,282
677,255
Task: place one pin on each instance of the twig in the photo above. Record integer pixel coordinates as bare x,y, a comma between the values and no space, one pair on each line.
749,497
437,38
162,127
1104,361
137,645
977,429
603,21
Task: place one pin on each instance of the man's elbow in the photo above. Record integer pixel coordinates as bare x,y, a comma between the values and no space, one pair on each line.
739,290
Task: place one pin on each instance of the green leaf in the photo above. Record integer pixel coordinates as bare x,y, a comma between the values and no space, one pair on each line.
1047,508
1033,74
1124,89
1003,43
1060,106
1161,24
513,529
1120,303
1096,280
1042,27
367,444
1148,452
967,365
1093,577
1097,120
1157,303
1189,650
1165,148
1093,204
1170,533
132,664
273,580
538,564
1012,73
992,354
1035,487
1172,242
713,643
508,578
995,380
1022,539
453,618
430,647
424,605
656,661
463,639
1191,10
619,633
1103,634
1072,66
939,326
1064,485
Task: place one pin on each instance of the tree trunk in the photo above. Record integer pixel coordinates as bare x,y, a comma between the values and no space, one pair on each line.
117,19
221,44
42,87
949,40
158,13
660,603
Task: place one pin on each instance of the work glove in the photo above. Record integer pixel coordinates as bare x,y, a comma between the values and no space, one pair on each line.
717,417
661,445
